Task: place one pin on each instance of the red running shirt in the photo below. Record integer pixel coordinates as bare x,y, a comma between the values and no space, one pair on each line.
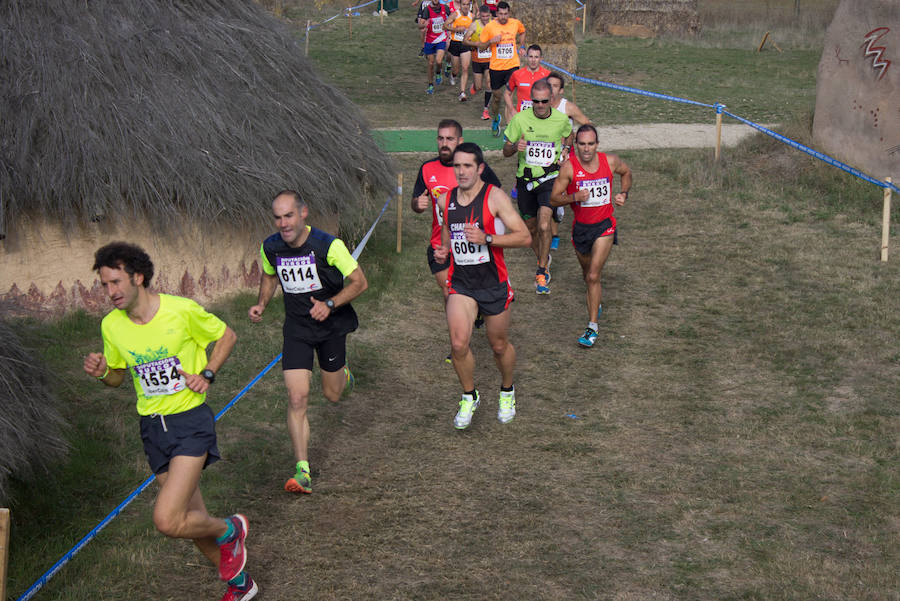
599,205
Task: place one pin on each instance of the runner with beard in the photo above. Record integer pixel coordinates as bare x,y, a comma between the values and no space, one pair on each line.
436,177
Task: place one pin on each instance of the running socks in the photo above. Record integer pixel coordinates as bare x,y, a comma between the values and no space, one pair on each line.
593,325
487,99
229,534
240,580
505,389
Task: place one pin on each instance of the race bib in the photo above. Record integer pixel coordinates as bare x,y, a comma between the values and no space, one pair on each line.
598,192
525,104
437,25
298,275
160,377
467,253
458,36
484,54
540,154
505,51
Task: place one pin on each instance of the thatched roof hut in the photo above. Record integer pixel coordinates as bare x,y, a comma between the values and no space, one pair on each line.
138,120
31,429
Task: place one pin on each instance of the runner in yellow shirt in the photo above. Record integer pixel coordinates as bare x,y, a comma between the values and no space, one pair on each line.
160,341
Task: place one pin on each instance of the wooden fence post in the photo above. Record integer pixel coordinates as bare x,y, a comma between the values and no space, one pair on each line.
349,25
885,222
4,549
381,11
399,212
306,44
718,135
584,15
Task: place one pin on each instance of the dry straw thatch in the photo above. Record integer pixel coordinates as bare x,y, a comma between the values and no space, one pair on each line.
30,425
169,109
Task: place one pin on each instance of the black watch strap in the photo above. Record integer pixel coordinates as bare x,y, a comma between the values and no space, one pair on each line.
209,375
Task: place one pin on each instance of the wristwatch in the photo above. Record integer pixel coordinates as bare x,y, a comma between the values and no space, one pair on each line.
329,303
208,375
488,239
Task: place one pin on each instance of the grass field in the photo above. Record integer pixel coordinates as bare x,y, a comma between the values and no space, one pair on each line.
733,435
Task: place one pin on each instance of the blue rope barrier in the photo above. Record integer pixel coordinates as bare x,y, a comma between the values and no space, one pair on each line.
343,14
606,84
812,152
720,109
365,239
46,576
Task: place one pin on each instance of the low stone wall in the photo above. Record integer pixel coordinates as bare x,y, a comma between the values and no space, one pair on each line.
644,18
45,269
550,24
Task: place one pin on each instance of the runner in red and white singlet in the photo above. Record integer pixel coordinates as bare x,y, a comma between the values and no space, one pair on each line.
585,181
479,222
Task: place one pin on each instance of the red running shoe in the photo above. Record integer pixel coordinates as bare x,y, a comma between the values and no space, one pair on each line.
241,593
233,554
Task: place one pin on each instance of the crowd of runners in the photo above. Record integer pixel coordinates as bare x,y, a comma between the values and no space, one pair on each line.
161,341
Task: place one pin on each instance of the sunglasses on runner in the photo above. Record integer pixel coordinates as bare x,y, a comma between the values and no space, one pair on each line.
540,101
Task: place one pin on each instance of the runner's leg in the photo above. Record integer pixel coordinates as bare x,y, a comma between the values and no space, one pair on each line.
461,313
177,514
297,383
497,328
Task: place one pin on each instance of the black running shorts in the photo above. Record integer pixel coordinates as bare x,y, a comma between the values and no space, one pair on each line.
584,235
191,433
298,353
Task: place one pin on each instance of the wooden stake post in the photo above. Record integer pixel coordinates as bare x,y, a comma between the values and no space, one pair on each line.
349,25
399,212
381,11
885,223
306,44
718,135
584,15
4,549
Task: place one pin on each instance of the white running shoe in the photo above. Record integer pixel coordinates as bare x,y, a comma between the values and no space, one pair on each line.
507,410
467,407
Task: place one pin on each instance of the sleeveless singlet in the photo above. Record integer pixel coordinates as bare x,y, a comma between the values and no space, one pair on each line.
599,204
474,266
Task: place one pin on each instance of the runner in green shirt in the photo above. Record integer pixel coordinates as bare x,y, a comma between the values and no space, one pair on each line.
540,137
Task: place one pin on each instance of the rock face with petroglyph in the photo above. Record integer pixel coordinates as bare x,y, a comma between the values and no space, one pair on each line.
858,89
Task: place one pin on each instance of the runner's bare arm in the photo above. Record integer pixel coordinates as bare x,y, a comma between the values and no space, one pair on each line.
576,115
95,365
619,166
420,203
222,350
448,24
511,147
355,285
441,254
502,208
559,197
267,285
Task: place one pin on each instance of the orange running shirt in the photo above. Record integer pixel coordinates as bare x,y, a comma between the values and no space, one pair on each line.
520,84
503,53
